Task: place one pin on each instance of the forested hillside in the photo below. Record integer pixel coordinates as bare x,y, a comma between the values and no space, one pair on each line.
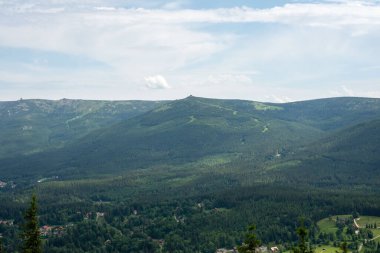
190,175
31,126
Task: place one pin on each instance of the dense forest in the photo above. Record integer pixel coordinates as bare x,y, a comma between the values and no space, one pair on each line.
190,175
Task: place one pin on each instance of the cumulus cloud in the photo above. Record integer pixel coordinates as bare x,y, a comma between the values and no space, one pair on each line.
156,82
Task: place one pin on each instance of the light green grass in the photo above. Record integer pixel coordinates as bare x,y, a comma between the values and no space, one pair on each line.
376,232
371,220
278,166
327,225
263,107
368,220
326,249
216,160
163,108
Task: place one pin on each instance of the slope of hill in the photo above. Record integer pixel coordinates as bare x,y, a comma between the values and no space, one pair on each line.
178,132
332,113
188,130
30,126
349,156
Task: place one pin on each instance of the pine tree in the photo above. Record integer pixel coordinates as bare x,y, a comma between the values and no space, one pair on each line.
1,246
303,246
31,233
344,247
251,242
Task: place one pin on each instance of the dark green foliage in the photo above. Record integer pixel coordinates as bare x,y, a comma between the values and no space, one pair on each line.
31,233
250,242
344,247
186,131
347,157
31,126
1,245
190,175
303,244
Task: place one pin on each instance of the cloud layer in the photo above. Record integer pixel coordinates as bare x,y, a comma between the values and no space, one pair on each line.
293,51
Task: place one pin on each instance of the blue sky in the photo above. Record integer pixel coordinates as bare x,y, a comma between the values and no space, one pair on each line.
263,50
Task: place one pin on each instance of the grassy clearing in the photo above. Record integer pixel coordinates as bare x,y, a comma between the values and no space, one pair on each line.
326,249
327,225
278,166
376,233
263,107
368,220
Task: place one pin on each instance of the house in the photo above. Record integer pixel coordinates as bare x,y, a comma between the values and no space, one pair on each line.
6,222
99,214
2,184
45,230
274,249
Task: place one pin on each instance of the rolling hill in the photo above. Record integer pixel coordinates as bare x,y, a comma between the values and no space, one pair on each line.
188,130
348,156
31,126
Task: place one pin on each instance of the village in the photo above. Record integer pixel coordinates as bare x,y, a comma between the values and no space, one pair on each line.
10,185
262,249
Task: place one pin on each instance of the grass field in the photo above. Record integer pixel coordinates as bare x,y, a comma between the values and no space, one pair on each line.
326,249
327,225
368,220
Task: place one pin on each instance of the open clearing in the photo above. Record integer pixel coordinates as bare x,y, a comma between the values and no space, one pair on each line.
368,220
326,249
327,225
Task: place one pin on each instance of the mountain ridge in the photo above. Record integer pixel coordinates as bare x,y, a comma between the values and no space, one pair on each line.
187,130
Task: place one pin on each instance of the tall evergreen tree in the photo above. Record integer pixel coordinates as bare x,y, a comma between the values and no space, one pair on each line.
251,242
31,233
303,246
344,247
1,245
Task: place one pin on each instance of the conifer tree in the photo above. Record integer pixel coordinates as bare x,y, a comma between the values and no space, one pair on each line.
31,233
251,242
303,246
344,247
1,246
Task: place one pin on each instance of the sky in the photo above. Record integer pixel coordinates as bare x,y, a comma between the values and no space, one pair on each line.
262,50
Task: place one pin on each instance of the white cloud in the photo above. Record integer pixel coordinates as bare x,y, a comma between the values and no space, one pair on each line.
156,82
133,43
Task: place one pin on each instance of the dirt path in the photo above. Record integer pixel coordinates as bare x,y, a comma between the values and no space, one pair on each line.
356,224
374,238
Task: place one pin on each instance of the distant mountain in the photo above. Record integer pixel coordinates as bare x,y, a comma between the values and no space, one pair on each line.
30,126
196,129
332,113
349,156
187,130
